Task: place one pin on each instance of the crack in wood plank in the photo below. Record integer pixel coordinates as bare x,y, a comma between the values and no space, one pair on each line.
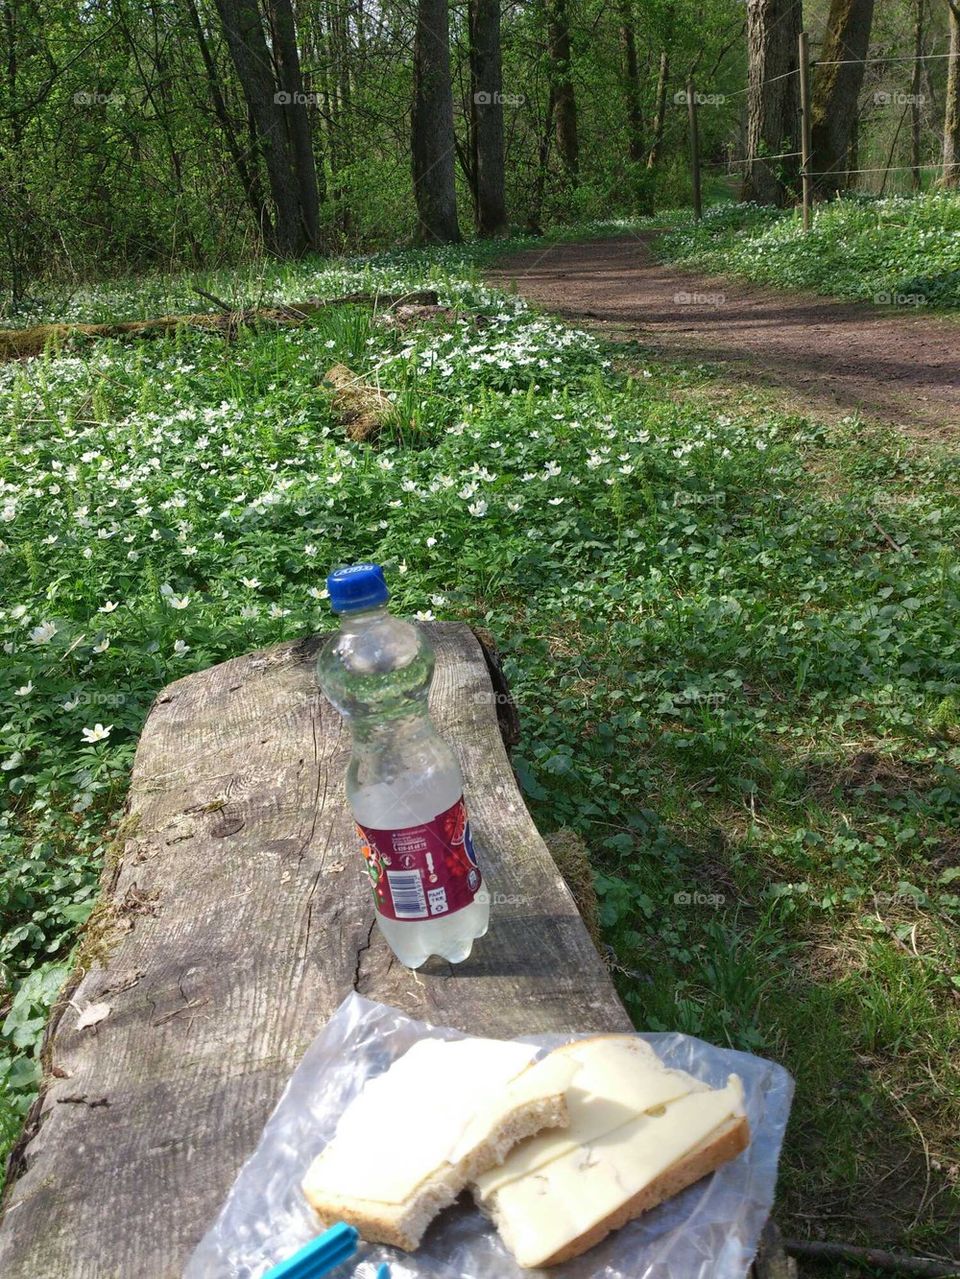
361,951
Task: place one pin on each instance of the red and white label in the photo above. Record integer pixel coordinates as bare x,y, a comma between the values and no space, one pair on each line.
422,872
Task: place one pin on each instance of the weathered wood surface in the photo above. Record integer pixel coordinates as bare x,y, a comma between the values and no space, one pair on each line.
241,920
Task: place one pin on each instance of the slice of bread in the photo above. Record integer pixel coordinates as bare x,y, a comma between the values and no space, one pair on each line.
724,1144
415,1136
638,1134
402,1225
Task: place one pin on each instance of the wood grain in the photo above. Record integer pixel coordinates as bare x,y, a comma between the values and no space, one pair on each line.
242,918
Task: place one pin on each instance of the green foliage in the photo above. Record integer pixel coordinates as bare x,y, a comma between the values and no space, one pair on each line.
121,160
729,684
20,1035
901,251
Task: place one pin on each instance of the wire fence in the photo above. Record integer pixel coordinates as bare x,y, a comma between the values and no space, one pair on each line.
806,172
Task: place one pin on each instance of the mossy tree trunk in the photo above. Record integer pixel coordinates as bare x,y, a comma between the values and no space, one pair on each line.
836,91
773,101
561,87
486,110
432,138
951,121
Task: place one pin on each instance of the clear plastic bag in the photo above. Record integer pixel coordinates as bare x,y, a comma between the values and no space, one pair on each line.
710,1231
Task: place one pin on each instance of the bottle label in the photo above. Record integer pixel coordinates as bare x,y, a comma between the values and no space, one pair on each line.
422,872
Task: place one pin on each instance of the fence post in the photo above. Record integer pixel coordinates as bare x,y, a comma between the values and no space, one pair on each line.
694,150
805,128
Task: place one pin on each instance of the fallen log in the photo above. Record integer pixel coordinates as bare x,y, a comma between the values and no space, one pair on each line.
20,343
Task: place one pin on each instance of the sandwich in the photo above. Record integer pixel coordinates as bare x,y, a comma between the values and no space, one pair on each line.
637,1133
557,1152
442,1115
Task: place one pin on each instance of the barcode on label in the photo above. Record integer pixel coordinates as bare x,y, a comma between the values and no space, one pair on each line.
406,889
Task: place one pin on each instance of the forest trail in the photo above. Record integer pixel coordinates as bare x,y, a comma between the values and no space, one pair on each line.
900,367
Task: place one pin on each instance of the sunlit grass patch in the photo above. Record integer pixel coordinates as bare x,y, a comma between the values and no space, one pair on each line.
732,684
902,251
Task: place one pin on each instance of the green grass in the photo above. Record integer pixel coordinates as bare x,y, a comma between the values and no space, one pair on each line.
902,251
730,684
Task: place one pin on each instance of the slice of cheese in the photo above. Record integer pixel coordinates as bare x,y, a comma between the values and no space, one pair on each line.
437,1101
618,1077
541,1212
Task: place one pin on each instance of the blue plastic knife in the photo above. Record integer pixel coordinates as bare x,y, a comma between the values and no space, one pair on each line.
319,1256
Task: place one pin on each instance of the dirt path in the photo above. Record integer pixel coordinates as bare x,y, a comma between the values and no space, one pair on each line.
901,367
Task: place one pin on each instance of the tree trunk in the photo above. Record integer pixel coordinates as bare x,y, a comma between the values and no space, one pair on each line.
836,91
773,101
659,110
631,85
915,116
248,177
561,86
318,55
540,182
298,124
337,97
951,119
486,109
12,220
893,148
432,140
247,43
341,30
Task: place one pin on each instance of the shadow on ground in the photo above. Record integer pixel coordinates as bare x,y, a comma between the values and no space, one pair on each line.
896,366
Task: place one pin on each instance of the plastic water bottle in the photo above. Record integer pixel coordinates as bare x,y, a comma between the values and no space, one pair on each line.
404,782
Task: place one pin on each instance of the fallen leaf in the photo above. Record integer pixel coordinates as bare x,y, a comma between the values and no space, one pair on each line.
92,1014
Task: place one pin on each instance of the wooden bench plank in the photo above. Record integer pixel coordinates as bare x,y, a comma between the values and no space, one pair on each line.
240,918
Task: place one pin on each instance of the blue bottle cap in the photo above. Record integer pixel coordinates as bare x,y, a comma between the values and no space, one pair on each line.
357,586
319,1256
